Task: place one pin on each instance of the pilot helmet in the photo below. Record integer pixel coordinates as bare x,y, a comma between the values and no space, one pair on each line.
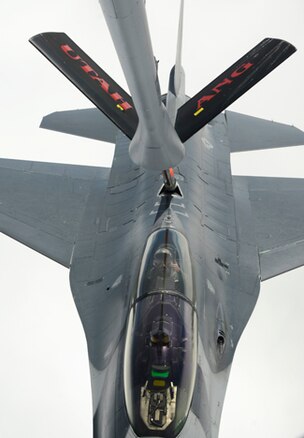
160,338
163,256
160,333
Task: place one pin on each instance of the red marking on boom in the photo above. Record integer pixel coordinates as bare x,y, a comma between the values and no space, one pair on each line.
227,81
123,104
67,50
217,88
240,70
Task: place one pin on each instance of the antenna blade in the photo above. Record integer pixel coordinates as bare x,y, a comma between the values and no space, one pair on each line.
176,90
178,61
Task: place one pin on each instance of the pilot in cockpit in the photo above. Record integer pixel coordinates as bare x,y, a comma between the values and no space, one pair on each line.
160,338
165,269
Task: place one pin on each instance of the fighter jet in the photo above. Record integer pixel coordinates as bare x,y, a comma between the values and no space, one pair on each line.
166,249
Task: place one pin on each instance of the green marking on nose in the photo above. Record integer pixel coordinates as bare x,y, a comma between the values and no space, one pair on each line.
163,374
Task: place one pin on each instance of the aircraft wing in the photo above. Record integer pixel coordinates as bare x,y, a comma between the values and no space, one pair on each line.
242,133
88,123
277,208
41,204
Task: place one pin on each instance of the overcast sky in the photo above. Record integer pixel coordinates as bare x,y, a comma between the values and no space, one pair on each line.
44,375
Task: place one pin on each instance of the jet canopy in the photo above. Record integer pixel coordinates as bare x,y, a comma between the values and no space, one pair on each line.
161,346
166,265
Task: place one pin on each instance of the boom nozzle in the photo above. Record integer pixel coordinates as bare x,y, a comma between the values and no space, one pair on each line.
169,180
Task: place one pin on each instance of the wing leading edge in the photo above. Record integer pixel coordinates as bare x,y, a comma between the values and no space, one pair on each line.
41,204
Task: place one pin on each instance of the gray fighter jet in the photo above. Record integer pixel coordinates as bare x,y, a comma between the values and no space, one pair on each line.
166,249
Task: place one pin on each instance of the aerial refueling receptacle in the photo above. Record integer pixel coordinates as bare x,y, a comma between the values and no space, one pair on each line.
161,346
